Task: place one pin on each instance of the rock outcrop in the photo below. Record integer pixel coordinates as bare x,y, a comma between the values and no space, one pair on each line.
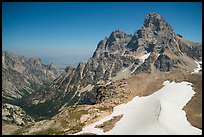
12,114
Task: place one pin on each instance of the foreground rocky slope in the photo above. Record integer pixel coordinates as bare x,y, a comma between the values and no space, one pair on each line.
153,48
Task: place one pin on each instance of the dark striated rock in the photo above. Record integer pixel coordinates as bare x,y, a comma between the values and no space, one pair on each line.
164,63
193,50
98,94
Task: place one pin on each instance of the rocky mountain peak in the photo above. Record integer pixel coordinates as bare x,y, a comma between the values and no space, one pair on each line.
115,37
51,66
156,22
117,34
35,61
101,44
81,65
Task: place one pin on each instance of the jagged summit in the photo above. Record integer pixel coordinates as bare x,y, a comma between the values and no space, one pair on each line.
153,15
117,34
114,40
156,22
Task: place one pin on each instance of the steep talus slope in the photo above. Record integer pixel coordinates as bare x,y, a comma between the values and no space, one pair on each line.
153,48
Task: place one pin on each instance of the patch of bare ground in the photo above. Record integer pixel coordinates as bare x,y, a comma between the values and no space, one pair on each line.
109,124
193,108
8,129
87,134
144,84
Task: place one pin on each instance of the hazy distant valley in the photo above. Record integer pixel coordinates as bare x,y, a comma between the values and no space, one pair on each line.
62,62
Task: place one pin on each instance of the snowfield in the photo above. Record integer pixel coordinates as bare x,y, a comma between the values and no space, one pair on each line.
196,70
145,56
158,113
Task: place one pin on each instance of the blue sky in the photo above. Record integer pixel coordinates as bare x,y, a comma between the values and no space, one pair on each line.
73,30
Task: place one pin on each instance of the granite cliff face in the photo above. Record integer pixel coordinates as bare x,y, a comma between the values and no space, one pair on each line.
153,48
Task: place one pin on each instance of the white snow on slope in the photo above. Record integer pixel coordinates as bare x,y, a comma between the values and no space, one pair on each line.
89,87
135,69
159,113
145,56
196,70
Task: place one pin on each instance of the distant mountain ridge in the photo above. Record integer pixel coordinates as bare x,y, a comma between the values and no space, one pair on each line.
22,76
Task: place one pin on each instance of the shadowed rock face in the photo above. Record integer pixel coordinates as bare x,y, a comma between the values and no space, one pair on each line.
164,63
194,51
118,55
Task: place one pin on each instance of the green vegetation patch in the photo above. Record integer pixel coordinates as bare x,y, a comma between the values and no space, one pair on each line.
64,123
18,132
48,132
105,108
76,128
77,115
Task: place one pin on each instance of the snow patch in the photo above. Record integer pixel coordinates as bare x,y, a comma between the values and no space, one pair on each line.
196,70
123,52
89,87
145,56
158,113
135,69
158,55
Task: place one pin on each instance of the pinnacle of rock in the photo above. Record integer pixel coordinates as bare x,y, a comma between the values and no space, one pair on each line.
156,22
